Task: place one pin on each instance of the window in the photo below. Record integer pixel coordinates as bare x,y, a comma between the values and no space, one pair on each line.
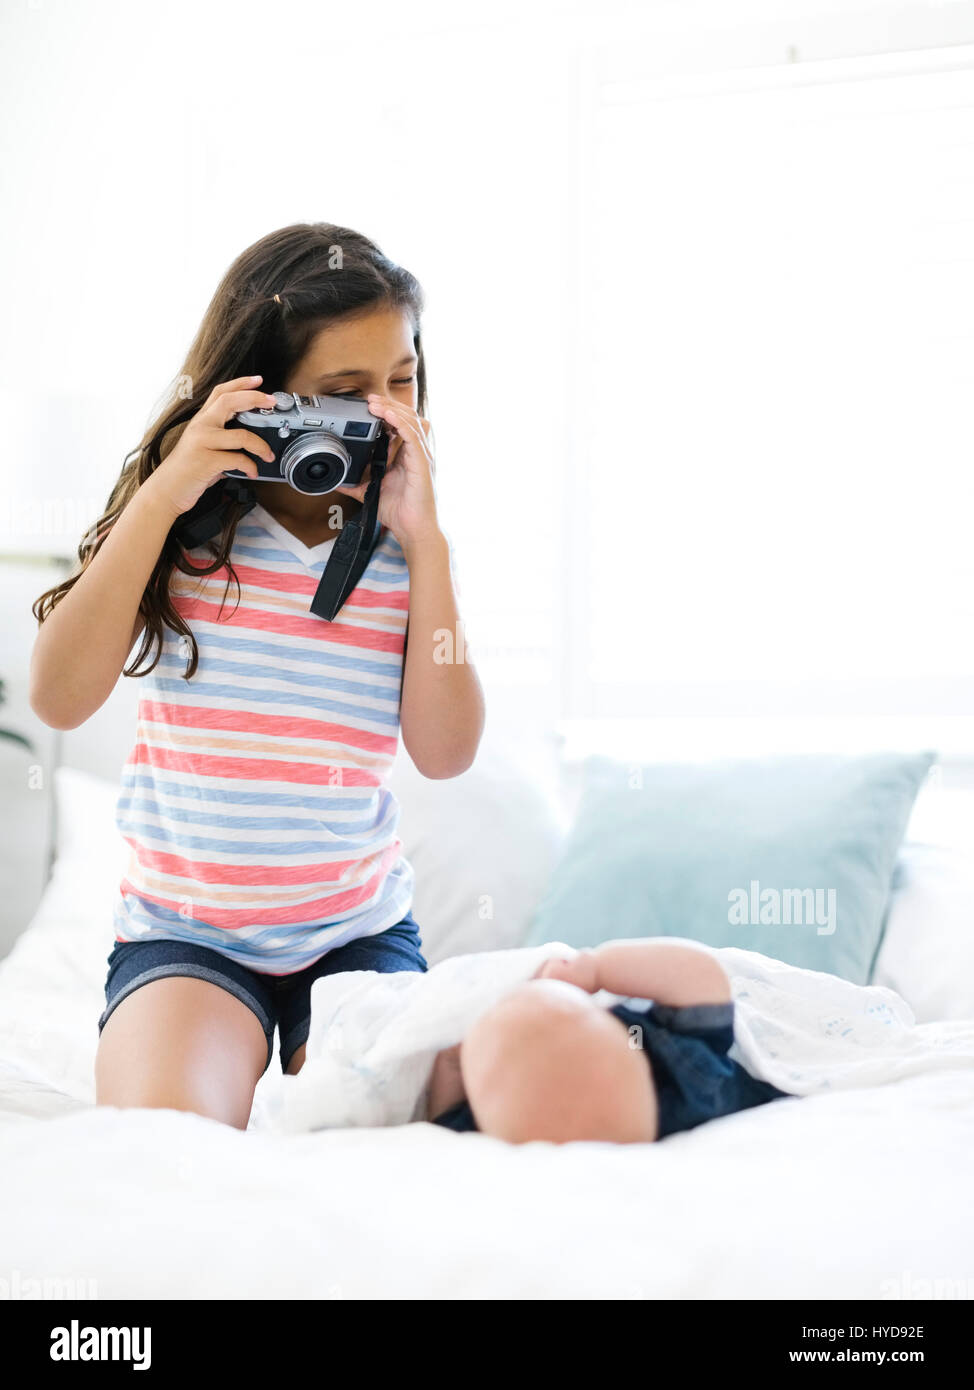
774,381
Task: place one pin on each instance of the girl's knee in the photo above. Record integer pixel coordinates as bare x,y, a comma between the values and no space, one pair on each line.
141,1091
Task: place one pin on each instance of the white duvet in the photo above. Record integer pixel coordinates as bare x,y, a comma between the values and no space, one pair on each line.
860,1188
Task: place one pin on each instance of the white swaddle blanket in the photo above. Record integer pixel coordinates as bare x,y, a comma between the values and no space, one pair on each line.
805,1031
374,1037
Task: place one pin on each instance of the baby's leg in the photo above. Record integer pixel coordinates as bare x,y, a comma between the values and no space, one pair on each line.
546,1063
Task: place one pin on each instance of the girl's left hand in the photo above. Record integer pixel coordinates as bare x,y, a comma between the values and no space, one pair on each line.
407,501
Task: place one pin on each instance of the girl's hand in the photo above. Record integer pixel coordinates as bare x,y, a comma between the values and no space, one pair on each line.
407,502
206,450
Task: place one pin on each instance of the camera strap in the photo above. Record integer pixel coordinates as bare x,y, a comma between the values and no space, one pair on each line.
353,548
207,517
350,554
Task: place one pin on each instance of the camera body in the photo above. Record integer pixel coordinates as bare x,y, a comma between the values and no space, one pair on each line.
319,442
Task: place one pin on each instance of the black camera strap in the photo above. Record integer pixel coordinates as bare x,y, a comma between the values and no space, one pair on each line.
353,548
208,516
350,554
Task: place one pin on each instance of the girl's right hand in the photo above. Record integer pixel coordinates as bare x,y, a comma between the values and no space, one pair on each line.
206,450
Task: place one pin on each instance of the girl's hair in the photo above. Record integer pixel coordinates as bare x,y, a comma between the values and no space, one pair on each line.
275,297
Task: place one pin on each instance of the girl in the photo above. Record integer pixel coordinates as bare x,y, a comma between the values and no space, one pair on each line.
264,850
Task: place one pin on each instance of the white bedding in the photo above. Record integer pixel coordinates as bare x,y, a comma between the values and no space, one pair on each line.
860,1193
857,1193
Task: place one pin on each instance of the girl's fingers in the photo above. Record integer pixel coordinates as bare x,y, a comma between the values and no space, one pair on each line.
357,491
427,430
223,408
242,439
240,383
403,421
384,406
242,465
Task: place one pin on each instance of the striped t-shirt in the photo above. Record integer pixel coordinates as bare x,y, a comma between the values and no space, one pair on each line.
254,800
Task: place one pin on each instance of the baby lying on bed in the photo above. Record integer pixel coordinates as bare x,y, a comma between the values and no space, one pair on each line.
547,1062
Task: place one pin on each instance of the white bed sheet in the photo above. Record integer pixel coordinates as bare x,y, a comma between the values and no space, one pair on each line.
858,1194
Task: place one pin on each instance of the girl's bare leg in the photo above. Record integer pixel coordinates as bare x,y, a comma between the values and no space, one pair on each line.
182,1044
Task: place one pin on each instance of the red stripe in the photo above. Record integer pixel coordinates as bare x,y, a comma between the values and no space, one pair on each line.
246,875
307,584
282,582
252,769
293,625
247,722
236,920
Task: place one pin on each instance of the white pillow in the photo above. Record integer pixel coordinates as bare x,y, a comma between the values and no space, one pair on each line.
482,846
927,951
85,830
942,815
78,902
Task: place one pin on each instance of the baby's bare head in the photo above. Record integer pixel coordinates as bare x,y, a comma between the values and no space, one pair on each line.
547,1063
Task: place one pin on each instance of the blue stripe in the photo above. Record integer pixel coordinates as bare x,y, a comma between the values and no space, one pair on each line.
310,680
394,563
132,806
315,655
275,697
255,852
278,557
201,790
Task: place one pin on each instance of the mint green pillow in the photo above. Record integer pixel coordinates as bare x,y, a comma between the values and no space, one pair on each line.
791,857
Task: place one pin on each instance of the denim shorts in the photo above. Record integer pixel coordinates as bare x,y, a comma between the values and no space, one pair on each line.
284,1000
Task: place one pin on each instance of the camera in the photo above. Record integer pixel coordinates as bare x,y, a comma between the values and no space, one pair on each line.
319,442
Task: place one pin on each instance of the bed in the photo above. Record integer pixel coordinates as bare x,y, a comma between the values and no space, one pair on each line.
856,1194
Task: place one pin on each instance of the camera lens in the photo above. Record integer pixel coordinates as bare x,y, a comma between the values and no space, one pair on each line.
315,463
315,475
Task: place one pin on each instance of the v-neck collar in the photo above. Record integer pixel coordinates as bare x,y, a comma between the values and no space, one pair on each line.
307,554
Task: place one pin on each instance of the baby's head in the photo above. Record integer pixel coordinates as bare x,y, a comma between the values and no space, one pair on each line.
548,1063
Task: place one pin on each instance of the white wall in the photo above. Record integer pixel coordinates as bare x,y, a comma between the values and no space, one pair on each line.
145,146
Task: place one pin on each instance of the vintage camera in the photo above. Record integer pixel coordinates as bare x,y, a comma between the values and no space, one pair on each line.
319,442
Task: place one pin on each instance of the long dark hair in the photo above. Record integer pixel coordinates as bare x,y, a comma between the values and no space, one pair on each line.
275,297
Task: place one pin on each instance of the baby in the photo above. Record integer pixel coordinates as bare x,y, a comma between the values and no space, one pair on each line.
549,1063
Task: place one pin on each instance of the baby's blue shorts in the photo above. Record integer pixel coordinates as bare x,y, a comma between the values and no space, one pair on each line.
284,1000
686,1047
